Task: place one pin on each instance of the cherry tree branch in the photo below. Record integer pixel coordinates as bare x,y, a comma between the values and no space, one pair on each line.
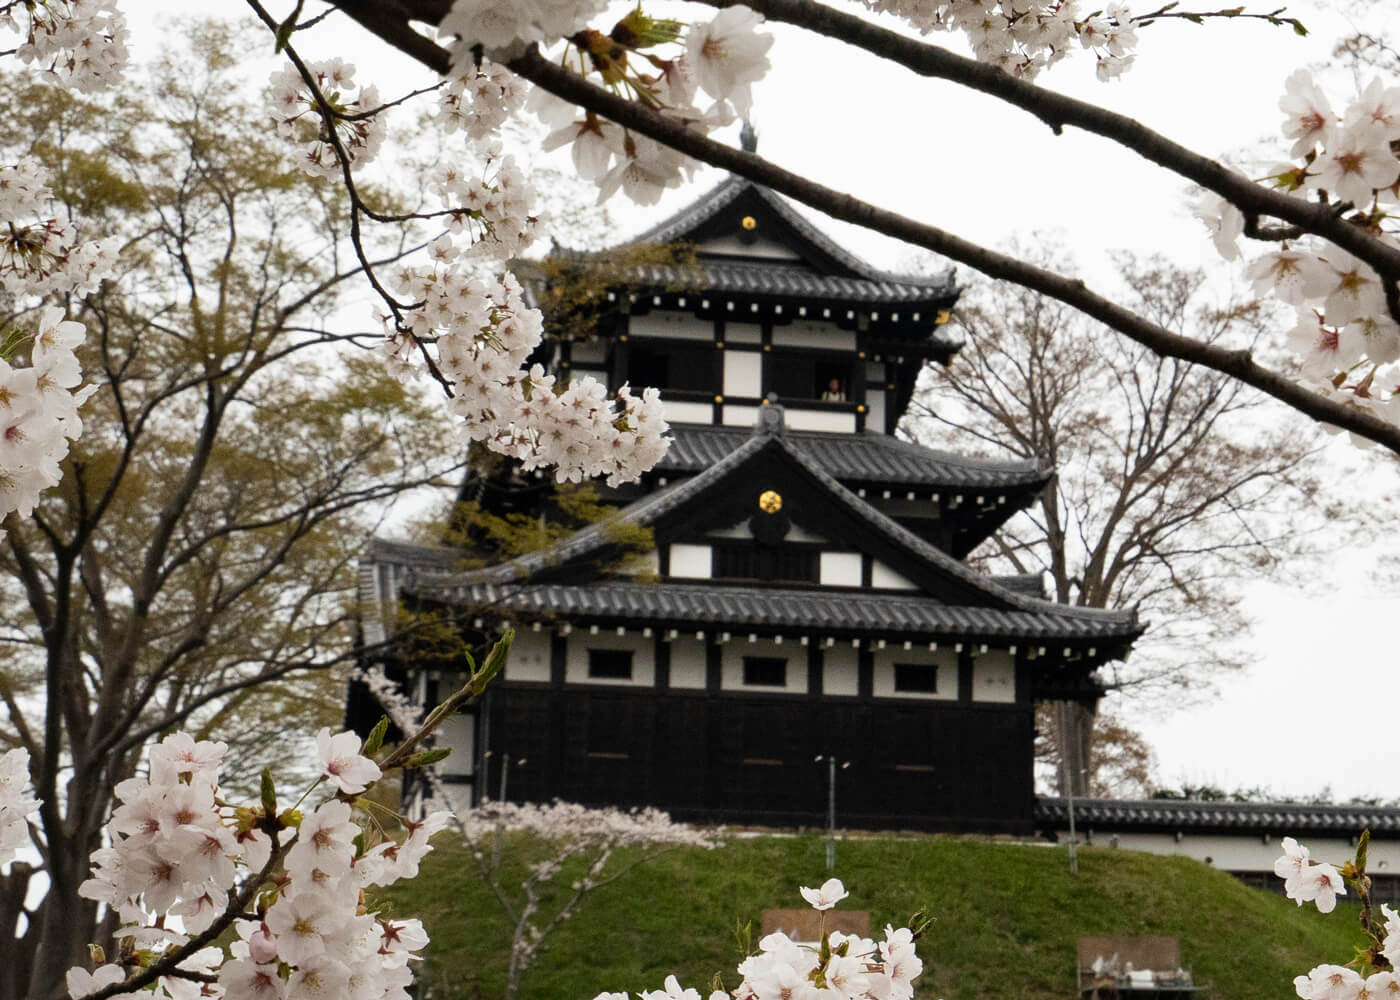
1236,363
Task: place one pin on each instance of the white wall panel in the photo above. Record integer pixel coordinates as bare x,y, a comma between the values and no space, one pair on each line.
743,373
840,569
687,663
581,641
671,326
691,561
529,657
994,676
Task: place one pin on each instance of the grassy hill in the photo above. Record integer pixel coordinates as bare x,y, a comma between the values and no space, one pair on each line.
1007,918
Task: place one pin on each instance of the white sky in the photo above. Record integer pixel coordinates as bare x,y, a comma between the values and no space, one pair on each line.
1298,720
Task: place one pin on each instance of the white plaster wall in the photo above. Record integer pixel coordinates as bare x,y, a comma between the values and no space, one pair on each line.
671,326
1243,853
819,420
814,334
594,352
945,661
840,569
738,647
581,641
875,410
687,663
681,412
742,333
458,732
758,248
529,657
994,676
841,671
743,373
692,561
740,416
882,576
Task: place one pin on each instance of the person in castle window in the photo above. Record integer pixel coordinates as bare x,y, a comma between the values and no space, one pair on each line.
834,393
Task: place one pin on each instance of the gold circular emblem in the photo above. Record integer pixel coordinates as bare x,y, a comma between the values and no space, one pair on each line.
749,222
770,502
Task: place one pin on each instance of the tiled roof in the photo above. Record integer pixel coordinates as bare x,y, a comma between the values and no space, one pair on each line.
998,609
878,615
755,277
863,458
732,188
1169,815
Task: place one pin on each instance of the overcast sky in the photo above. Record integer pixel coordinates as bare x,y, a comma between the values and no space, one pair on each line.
1300,718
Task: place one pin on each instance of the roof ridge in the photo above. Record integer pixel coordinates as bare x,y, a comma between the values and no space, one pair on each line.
711,203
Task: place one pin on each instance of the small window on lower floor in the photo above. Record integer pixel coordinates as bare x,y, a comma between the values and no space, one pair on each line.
916,678
610,664
765,671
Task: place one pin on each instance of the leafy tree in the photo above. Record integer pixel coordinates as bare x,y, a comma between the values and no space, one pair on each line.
1172,482
196,568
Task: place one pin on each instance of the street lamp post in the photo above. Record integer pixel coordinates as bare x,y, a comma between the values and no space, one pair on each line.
831,806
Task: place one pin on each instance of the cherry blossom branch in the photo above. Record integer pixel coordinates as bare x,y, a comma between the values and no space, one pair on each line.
476,684
1199,17
168,964
1058,111
1237,363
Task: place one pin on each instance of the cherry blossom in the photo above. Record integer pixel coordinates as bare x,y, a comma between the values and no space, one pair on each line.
341,761
728,55
830,893
17,803
298,116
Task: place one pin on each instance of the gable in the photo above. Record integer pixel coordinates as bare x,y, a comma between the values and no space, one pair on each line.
771,520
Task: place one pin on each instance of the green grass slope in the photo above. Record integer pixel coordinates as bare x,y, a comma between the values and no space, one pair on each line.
1007,917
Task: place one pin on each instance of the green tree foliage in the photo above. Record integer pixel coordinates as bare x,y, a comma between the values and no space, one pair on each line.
196,568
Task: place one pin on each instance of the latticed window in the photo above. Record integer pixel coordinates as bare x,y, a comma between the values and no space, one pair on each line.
610,664
765,671
916,678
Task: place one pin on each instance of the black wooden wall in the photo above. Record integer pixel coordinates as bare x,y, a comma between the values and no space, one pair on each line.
742,758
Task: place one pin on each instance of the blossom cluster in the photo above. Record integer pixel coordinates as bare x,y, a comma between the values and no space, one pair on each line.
39,412
17,803
42,256
1345,336
82,42
839,967
722,58
298,116
1024,37
1308,881
574,829
483,333
176,850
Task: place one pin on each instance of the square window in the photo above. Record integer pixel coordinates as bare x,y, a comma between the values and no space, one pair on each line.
916,678
610,664
765,671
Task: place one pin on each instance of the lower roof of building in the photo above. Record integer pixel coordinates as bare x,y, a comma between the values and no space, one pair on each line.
1170,816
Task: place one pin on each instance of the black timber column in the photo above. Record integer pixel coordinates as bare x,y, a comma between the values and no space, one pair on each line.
714,665
661,658
814,669
865,673
558,659
857,391
965,674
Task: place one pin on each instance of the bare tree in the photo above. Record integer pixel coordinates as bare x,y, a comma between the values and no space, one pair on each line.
196,568
1172,482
